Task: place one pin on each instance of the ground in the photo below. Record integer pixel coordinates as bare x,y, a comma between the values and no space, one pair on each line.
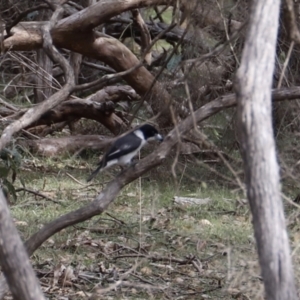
145,246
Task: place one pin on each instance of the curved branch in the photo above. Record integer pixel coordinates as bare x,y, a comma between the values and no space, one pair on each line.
74,33
99,107
95,15
22,15
76,109
34,113
145,35
107,196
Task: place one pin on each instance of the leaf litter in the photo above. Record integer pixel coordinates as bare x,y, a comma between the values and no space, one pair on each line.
168,252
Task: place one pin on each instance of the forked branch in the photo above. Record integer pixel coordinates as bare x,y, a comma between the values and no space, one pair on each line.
36,112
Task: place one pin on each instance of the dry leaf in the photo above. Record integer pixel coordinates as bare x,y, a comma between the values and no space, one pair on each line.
58,271
146,271
205,222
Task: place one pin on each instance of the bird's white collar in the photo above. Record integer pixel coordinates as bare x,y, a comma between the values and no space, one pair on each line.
139,134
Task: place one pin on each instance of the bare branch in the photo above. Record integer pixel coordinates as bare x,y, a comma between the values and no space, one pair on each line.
291,20
23,14
100,12
145,35
107,196
34,113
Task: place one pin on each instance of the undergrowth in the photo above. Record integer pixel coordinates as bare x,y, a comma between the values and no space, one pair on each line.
146,245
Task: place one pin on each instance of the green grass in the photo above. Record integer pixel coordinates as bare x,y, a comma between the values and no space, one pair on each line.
143,229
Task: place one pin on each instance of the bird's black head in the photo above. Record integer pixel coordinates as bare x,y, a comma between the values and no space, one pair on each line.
150,133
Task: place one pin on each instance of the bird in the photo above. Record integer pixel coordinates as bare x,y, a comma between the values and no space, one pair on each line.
126,147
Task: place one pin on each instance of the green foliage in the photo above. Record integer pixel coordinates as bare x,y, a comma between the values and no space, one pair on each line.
10,161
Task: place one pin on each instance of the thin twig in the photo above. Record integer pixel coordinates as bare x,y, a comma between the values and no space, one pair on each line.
116,219
285,64
38,194
76,180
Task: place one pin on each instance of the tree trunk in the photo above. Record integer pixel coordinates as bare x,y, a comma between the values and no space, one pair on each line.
43,75
14,259
43,88
254,82
75,60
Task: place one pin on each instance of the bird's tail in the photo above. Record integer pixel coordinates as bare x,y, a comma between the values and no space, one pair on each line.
100,166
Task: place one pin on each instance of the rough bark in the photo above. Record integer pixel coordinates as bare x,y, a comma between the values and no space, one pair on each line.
145,35
75,109
43,75
99,107
254,81
75,60
14,259
43,81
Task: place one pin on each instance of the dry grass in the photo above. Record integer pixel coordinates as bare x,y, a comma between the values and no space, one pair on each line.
145,246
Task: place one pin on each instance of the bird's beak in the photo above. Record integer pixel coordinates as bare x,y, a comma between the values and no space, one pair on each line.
159,137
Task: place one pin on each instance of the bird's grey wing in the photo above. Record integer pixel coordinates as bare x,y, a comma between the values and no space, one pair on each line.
122,147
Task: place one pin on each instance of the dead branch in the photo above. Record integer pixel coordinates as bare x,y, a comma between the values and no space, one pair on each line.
8,105
76,60
34,113
71,144
107,196
107,77
75,109
100,12
156,258
291,21
118,27
99,67
44,130
110,51
145,35
99,107
49,146
22,15
36,193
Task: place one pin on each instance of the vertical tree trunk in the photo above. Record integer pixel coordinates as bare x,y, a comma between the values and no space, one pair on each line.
253,88
43,81
43,89
75,61
14,259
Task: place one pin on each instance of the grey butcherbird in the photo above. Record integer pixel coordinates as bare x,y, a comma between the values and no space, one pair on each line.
126,147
